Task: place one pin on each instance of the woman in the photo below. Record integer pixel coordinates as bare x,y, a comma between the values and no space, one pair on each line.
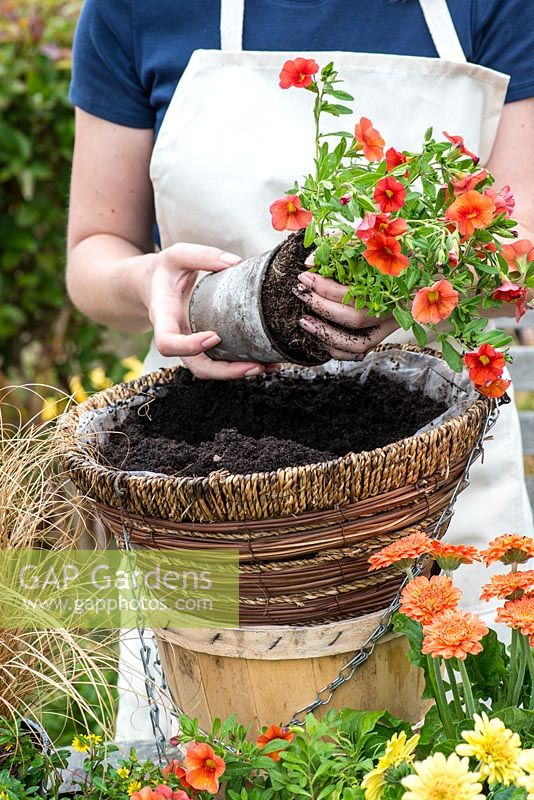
211,144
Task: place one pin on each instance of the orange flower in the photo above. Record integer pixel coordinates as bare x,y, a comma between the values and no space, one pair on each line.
510,548
395,159
486,364
434,303
203,767
298,73
518,614
458,141
495,388
512,293
503,200
520,251
370,139
288,215
274,732
166,793
511,585
380,223
468,182
471,211
390,194
174,767
384,253
450,556
401,553
454,634
422,599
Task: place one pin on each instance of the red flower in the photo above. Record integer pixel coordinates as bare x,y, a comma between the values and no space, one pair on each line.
274,732
166,793
468,182
288,215
384,253
434,303
453,258
522,249
298,73
380,223
370,139
503,200
203,767
458,141
470,211
512,293
395,159
494,388
486,364
345,200
390,194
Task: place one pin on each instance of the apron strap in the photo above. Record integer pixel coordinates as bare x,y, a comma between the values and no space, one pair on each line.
232,16
438,18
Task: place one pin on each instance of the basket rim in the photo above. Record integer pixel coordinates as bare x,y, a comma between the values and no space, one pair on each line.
77,455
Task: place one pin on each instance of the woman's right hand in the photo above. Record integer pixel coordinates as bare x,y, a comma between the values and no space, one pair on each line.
170,279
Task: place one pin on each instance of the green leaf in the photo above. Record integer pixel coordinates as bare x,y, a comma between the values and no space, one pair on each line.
335,109
451,355
309,236
403,317
488,670
338,94
420,334
496,338
414,633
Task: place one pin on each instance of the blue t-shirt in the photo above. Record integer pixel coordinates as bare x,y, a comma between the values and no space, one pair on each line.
129,54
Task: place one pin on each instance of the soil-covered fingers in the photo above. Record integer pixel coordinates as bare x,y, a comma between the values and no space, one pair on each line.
334,310
326,287
343,344
204,367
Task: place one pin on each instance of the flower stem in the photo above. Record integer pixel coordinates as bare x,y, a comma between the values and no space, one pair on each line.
530,664
468,693
520,675
454,688
513,666
439,695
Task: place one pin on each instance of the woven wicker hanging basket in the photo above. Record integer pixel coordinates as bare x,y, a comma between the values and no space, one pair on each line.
304,534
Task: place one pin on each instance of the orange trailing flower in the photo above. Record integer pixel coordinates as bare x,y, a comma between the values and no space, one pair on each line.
175,767
401,553
509,586
494,389
510,548
274,732
484,365
454,634
510,292
423,599
298,73
450,556
390,194
520,251
504,200
518,614
203,768
370,139
384,253
287,214
471,211
161,792
467,182
395,159
434,303
380,223
458,141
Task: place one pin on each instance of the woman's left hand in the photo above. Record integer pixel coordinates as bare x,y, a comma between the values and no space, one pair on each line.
324,298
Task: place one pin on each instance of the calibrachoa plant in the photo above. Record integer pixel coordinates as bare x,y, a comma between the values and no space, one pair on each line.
421,236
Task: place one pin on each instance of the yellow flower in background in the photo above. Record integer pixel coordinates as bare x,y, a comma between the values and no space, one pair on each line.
93,739
496,748
3,795
134,367
398,750
76,389
526,762
134,786
99,379
440,778
80,744
51,408
123,772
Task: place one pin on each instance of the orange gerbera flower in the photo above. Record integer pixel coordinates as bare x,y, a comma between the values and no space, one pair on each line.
467,182
458,141
450,556
521,250
287,214
369,138
395,159
494,389
486,364
504,200
510,548
384,253
471,211
298,73
454,634
274,732
518,614
512,585
203,767
422,599
380,223
434,303
510,292
390,194
401,553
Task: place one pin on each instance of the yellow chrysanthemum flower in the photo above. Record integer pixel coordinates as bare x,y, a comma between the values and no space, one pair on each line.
526,762
495,747
123,772
134,786
440,778
76,388
99,379
80,744
134,367
398,749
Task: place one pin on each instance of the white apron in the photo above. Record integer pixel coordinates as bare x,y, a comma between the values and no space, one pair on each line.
232,142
